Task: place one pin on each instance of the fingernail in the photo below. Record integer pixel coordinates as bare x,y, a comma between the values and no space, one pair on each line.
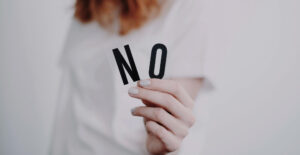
132,110
144,83
133,90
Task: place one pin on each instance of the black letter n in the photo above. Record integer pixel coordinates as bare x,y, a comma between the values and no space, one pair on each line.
132,71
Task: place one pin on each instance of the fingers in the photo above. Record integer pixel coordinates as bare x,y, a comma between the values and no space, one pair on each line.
164,118
168,86
170,141
166,101
163,100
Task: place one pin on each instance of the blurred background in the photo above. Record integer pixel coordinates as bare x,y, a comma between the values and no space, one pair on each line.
253,62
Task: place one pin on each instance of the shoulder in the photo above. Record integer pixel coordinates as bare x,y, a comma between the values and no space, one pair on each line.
82,40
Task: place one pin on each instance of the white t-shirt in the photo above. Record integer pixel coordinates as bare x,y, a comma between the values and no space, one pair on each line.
93,114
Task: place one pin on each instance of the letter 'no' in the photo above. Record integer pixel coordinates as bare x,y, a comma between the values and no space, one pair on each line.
132,70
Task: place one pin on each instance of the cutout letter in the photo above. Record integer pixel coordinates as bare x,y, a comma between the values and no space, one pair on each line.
132,71
163,49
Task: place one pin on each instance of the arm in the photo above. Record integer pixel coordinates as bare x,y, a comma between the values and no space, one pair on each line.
168,111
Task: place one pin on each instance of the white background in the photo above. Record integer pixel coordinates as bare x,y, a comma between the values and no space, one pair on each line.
253,53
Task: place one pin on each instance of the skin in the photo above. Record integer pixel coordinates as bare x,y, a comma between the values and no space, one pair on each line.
167,112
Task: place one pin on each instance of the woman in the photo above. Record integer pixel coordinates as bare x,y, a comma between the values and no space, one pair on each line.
93,116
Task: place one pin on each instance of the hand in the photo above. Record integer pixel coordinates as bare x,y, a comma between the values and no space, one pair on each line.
167,115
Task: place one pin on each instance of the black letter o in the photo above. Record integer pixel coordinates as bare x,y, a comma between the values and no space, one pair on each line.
162,62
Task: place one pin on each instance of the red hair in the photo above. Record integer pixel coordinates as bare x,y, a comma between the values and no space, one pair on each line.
131,14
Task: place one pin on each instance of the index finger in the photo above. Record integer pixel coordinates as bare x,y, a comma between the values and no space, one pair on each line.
168,86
